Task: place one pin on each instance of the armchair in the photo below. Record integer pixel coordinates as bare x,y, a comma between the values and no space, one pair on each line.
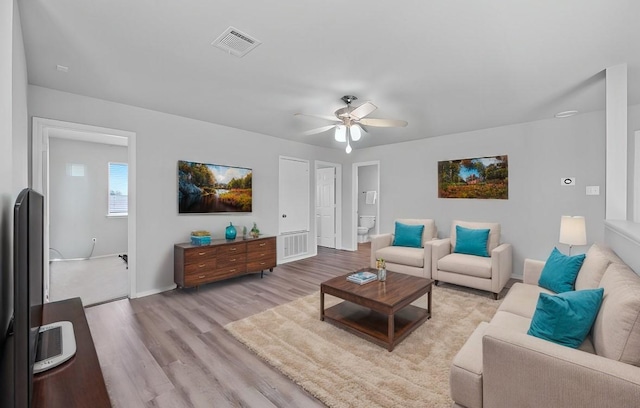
412,261
485,273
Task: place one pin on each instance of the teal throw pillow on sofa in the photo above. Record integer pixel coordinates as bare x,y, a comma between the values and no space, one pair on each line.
560,271
471,241
408,235
566,318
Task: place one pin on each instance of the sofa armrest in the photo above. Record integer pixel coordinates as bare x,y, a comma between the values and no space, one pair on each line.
377,242
428,254
532,271
501,266
439,249
524,371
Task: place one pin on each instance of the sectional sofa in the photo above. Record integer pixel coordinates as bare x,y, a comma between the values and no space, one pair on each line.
501,365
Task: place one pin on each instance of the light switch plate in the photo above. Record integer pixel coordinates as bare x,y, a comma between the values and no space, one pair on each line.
568,181
593,190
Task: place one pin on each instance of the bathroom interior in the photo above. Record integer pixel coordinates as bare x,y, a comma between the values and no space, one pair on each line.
368,201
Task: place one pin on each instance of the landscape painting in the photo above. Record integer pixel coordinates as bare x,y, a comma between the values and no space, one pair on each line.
212,188
483,177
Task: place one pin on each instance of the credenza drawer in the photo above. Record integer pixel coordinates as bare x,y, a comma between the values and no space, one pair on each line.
261,265
256,256
197,255
229,249
232,270
262,245
203,265
230,260
195,279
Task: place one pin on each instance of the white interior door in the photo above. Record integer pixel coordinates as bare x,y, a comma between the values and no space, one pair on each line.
326,207
294,195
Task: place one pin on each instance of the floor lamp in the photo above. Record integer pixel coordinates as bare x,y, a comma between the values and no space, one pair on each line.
573,231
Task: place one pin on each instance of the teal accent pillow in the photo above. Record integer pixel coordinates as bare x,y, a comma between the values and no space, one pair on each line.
566,318
408,235
560,271
471,241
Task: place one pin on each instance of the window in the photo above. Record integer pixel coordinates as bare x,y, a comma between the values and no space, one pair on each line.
118,189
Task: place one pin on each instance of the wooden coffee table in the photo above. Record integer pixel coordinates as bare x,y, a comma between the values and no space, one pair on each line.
380,312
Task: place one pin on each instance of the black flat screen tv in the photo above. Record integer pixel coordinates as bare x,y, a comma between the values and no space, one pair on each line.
19,345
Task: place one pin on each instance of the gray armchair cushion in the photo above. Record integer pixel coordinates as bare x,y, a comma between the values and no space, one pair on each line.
402,255
463,264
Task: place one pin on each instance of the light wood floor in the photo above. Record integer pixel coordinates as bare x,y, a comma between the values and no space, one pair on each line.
171,350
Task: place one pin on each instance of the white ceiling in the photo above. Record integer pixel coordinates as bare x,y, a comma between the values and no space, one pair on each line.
445,66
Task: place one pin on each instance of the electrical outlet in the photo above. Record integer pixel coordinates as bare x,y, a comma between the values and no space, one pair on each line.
94,240
593,190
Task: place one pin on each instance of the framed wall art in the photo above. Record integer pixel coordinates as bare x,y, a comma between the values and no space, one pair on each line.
482,177
213,188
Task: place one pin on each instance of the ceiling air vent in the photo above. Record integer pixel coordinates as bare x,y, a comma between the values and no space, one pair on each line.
235,42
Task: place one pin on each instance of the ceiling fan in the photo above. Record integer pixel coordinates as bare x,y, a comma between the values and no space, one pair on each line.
351,121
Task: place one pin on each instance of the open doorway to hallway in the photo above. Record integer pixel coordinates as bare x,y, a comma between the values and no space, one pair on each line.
85,176
366,201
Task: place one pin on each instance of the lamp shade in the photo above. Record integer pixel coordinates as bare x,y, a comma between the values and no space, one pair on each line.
354,130
573,230
341,133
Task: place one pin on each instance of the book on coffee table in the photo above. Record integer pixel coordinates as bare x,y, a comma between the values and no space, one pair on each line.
362,277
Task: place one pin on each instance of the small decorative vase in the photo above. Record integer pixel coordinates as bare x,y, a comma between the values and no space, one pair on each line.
255,232
230,232
382,274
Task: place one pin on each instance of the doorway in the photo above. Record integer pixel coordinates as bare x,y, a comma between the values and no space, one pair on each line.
328,208
365,198
55,175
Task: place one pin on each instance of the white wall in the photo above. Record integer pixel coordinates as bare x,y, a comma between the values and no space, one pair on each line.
19,122
162,140
367,181
540,153
78,205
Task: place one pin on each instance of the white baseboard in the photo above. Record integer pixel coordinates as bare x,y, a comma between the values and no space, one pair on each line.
153,291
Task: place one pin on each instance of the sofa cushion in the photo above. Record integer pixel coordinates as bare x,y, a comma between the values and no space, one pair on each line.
616,332
522,300
430,231
494,233
402,255
566,318
593,267
408,235
463,264
471,241
560,271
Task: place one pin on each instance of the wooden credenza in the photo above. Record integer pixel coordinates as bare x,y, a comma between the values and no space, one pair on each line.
222,259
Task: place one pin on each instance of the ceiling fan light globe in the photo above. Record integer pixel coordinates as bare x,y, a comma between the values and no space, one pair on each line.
348,149
341,133
355,132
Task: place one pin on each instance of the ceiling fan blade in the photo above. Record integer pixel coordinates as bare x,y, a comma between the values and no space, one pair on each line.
318,130
325,117
383,122
363,110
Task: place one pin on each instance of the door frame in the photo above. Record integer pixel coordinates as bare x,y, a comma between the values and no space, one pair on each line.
318,164
354,201
42,130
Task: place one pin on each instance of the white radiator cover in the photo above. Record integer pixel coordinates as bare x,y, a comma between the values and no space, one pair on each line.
295,244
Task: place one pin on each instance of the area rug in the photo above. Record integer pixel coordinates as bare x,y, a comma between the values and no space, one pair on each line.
343,370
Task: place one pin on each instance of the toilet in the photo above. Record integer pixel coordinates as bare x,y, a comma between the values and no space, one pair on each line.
366,222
